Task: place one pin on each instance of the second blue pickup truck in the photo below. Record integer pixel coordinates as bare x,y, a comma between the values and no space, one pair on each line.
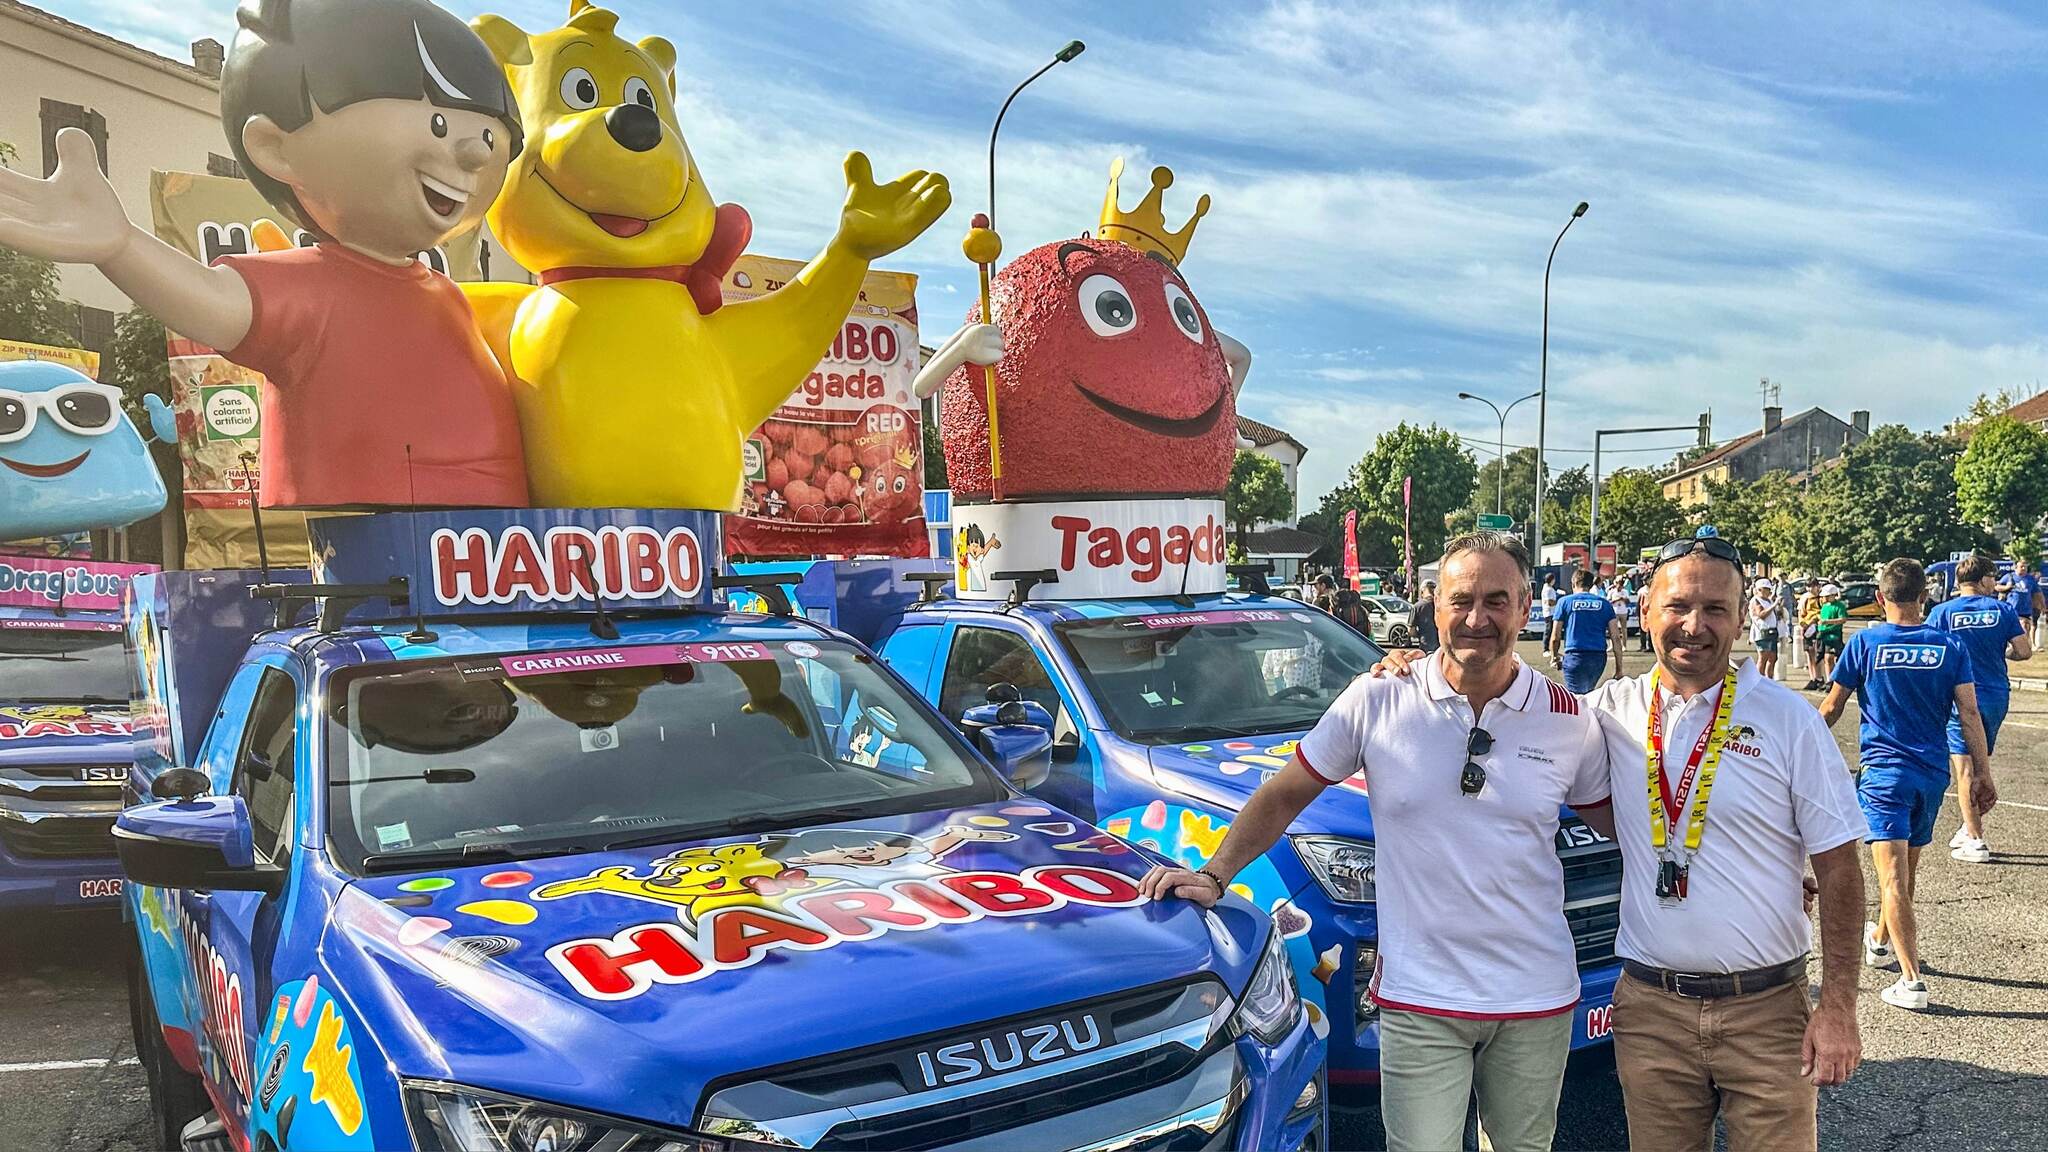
1167,713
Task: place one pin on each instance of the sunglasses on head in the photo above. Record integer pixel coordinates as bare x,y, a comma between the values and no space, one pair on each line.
86,408
1473,778
1713,546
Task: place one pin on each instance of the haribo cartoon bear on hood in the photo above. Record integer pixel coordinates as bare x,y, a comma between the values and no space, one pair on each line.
70,460
637,385
383,127
1110,379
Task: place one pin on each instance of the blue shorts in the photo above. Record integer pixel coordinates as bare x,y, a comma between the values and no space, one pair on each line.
1582,668
1993,712
1900,803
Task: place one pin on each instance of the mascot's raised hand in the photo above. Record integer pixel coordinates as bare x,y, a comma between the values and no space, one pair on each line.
880,218
74,217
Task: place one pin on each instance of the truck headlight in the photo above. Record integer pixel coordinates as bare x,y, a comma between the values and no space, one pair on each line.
1343,867
452,1118
1270,1004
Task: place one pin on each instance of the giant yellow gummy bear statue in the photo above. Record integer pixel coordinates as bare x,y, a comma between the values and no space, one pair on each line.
636,388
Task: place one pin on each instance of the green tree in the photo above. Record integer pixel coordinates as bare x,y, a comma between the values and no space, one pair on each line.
1566,501
1257,491
1634,512
1443,473
32,306
1750,513
136,361
1518,496
2002,477
1379,539
1892,495
934,459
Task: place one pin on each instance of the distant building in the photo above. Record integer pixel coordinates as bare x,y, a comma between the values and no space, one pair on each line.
1279,542
1275,444
145,112
1796,446
2033,410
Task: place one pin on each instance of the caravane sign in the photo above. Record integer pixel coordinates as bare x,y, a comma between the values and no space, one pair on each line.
1099,548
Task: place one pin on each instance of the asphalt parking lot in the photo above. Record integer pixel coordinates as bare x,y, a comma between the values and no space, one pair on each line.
1969,1073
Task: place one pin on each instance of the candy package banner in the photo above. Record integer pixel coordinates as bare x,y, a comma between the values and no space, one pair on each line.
839,468
47,582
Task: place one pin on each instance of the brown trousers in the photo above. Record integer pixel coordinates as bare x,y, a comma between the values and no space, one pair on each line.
1681,1059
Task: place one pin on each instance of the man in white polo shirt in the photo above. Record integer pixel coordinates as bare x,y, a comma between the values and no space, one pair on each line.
1467,765
1726,785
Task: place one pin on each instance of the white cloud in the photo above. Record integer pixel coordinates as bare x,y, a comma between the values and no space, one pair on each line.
1388,179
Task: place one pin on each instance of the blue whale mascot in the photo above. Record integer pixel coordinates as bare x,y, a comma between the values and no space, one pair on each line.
70,459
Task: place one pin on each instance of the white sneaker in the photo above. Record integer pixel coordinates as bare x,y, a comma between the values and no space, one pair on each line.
1904,993
1957,840
1874,954
1971,851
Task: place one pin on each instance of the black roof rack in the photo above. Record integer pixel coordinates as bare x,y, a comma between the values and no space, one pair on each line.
1026,581
336,600
1252,576
931,582
767,585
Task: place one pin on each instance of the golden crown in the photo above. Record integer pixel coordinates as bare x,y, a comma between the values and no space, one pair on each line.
1145,229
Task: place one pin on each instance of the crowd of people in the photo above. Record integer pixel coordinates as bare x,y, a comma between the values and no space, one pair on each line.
1468,758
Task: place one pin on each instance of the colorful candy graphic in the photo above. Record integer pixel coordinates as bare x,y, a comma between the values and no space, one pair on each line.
502,911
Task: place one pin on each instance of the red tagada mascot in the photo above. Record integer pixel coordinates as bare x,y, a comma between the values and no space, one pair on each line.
1115,413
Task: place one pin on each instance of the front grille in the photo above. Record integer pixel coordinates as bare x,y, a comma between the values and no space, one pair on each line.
1165,1033
1592,894
70,836
65,782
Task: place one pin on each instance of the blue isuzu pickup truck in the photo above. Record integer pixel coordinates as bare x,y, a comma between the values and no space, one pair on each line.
64,731
1167,713
505,834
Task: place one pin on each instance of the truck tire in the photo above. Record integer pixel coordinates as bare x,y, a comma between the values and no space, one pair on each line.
176,1097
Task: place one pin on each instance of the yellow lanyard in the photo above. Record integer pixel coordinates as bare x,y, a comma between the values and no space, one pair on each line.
1705,759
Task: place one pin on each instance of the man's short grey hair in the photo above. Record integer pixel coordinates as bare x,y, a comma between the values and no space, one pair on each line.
1506,543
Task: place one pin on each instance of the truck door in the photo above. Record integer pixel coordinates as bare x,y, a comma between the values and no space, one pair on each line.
979,656
232,934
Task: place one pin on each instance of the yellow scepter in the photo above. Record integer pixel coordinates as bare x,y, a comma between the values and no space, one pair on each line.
984,247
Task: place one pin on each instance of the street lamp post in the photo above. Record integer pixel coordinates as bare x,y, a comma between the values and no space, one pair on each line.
1500,486
1543,378
1074,48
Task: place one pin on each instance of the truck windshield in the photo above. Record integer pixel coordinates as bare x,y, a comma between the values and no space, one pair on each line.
548,753
62,666
1164,679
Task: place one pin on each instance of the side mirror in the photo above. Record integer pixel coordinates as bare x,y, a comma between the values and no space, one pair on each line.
1016,736
206,843
180,784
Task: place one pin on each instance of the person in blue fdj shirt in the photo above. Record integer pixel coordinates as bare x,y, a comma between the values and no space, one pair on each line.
1581,631
1907,677
1992,631
2024,591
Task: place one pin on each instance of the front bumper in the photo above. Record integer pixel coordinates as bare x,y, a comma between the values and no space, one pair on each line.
62,882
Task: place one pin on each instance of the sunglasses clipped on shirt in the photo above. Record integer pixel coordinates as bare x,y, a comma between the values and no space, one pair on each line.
1713,546
87,409
1473,778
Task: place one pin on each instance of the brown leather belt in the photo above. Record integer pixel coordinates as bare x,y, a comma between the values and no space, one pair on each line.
1714,985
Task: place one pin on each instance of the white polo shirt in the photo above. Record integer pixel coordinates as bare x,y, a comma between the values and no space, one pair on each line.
1781,794
1470,889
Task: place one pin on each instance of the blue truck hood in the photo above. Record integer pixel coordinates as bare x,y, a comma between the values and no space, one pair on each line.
64,733
1224,773
625,982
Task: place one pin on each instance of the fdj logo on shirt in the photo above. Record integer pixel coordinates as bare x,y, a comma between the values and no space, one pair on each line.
1909,655
1961,620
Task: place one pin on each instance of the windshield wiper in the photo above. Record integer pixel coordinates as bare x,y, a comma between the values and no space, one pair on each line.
1199,732
739,825
451,857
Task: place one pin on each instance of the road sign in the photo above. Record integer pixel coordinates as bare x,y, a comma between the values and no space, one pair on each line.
1496,522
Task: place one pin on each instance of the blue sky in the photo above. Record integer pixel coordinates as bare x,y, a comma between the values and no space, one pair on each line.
1847,199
